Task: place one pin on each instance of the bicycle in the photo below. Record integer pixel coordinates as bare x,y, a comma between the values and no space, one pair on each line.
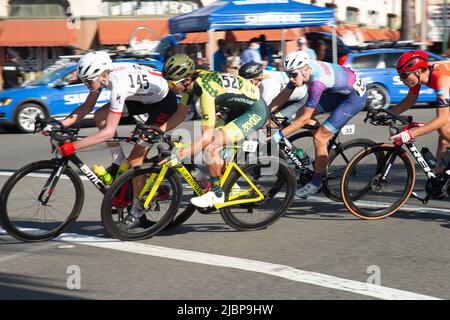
248,188
385,186
57,193
339,155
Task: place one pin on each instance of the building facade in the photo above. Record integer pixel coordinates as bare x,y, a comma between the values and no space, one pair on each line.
42,30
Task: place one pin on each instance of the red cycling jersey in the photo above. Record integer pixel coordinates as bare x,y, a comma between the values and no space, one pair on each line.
439,81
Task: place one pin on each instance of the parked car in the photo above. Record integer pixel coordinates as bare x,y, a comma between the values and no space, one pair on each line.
55,94
377,69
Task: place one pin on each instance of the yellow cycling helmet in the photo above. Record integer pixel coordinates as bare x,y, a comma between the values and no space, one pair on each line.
178,67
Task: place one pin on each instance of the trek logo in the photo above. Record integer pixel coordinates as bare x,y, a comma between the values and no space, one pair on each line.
292,156
272,18
92,176
253,120
421,161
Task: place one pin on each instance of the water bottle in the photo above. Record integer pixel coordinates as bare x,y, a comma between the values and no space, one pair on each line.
122,168
101,172
429,157
304,158
200,177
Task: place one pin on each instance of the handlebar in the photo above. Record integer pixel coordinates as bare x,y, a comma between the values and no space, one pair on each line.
60,134
372,113
283,122
405,121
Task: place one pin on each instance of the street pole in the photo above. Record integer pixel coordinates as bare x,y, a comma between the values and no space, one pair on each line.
445,39
423,26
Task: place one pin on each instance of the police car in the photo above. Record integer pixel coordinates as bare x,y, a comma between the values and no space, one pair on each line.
55,94
376,67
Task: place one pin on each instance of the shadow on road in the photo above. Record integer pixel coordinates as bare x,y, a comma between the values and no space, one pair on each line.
21,287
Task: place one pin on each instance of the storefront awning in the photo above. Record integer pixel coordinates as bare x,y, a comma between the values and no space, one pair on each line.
37,33
118,32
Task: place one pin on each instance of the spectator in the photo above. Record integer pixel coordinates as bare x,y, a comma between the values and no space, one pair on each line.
321,50
12,73
220,58
202,63
266,51
167,44
251,53
303,46
233,65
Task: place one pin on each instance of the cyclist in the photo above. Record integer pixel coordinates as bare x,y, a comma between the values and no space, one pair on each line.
139,88
415,71
270,87
237,97
331,88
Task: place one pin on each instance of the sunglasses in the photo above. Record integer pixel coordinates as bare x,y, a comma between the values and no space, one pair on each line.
292,75
404,75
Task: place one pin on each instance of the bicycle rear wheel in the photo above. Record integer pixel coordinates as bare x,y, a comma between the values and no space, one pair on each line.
118,201
275,179
338,161
27,218
372,190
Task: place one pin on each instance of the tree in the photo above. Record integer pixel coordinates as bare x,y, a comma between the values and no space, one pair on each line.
406,31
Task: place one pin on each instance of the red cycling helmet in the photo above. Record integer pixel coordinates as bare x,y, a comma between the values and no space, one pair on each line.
411,61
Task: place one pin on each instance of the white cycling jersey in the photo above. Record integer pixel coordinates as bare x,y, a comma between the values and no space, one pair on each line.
272,86
129,81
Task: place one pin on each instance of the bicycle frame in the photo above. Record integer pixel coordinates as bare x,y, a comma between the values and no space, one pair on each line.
289,149
156,178
55,176
414,152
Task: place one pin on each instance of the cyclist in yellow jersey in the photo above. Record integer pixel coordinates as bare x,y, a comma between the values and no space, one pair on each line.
235,98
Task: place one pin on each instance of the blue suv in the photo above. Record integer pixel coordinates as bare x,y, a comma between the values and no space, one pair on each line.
55,94
376,67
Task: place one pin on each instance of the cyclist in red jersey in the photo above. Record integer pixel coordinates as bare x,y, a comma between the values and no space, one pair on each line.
415,71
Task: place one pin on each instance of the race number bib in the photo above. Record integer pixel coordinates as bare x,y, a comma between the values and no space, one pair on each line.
348,129
229,83
359,86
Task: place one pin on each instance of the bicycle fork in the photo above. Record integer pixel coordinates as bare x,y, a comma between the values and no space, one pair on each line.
50,185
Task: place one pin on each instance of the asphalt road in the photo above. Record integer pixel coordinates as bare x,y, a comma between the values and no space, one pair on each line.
316,251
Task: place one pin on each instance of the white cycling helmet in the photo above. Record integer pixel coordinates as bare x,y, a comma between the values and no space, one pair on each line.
295,60
92,64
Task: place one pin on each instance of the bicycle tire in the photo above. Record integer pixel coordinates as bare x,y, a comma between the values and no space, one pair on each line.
31,236
327,189
285,175
121,233
350,201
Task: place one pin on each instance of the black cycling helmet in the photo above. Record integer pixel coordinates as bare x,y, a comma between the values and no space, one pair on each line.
251,70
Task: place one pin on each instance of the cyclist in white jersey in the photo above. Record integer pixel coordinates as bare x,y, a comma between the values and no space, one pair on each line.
142,90
270,86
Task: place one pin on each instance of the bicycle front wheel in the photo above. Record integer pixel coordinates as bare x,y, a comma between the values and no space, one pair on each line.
36,206
118,202
275,180
374,190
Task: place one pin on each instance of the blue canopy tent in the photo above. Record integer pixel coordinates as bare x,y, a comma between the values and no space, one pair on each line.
253,14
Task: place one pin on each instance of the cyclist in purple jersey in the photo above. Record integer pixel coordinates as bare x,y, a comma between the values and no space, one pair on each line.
331,88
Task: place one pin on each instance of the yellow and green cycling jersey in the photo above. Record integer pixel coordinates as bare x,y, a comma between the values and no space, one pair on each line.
222,91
